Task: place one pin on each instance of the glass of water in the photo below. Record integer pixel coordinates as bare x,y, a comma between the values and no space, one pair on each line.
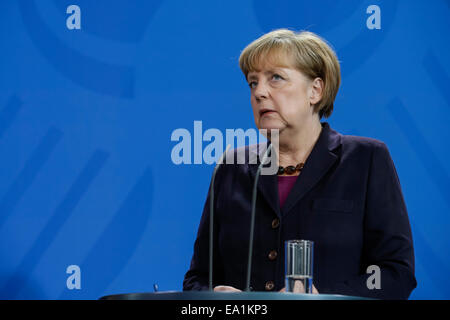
299,265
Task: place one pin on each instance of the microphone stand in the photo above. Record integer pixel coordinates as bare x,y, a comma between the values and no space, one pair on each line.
252,221
211,218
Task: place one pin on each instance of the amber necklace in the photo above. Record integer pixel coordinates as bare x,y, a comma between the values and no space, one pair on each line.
290,169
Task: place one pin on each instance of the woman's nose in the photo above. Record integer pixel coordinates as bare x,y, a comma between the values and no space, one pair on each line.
261,91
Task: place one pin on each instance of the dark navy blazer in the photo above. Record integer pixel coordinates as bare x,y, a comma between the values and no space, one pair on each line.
347,199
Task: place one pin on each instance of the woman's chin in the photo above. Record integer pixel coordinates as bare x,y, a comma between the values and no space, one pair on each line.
270,125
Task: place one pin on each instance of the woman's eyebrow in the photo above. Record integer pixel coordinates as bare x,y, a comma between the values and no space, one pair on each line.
268,72
274,70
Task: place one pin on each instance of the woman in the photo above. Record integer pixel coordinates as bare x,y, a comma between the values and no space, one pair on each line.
342,192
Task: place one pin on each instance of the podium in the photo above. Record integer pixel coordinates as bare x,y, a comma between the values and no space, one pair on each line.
207,295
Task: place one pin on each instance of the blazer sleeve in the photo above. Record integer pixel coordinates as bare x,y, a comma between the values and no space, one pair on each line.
387,240
197,277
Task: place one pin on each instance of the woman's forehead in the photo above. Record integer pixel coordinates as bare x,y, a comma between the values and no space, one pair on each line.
271,60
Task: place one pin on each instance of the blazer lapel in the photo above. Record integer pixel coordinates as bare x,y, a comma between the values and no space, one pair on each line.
318,163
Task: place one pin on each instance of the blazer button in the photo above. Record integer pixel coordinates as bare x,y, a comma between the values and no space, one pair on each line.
269,285
273,255
275,223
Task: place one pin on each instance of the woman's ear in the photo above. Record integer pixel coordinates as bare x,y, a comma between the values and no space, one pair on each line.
316,91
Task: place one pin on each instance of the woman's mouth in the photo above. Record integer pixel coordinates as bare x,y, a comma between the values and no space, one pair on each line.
266,112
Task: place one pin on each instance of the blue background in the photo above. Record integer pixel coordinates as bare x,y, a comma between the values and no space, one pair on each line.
86,118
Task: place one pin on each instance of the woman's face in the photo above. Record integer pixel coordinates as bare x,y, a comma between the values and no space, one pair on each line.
281,97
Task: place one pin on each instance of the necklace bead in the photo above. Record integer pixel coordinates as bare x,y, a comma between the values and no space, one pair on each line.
290,169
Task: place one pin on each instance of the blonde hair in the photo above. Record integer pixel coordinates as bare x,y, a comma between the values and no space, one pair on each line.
307,52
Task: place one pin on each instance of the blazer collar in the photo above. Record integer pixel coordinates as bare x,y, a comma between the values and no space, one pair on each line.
320,160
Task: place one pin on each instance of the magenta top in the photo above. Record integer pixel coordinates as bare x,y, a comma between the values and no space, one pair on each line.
285,184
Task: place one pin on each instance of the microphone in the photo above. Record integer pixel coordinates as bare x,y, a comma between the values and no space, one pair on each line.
211,217
252,222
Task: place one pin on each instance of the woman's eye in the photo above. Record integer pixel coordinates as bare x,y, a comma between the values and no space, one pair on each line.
277,77
252,84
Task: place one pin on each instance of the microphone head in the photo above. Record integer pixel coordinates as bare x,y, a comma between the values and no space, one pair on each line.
266,154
